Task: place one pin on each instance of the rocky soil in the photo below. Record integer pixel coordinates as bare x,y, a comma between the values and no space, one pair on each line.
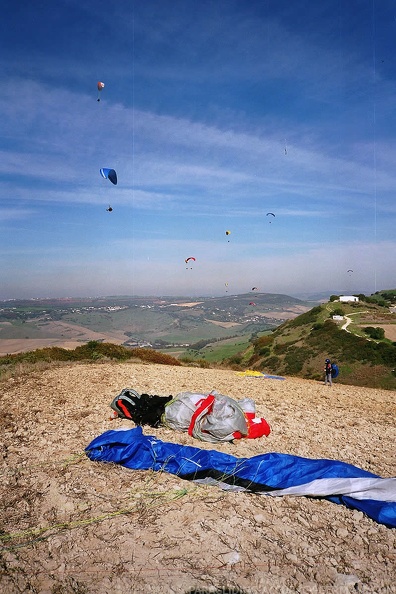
69,525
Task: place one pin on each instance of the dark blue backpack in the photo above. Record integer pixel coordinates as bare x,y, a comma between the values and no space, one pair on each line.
334,370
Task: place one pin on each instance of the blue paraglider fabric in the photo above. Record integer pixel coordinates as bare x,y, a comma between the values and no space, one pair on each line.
266,474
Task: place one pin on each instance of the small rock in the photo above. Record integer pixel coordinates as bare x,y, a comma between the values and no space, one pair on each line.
343,579
232,558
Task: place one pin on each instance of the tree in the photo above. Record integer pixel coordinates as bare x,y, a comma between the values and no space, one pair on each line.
375,333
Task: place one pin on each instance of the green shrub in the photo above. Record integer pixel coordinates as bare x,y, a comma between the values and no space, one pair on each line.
280,349
154,357
203,363
308,317
376,333
272,364
235,359
263,341
264,351
295,359
92,351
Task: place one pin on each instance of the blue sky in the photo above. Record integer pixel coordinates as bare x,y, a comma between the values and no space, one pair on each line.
213,114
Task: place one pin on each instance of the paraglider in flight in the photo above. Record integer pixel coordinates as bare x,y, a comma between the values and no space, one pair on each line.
100,88
187,261
270,213
109,174
350,272
228,233
226,285
110,209
254,288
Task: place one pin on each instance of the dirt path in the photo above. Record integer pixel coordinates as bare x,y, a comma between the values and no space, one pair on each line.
68,525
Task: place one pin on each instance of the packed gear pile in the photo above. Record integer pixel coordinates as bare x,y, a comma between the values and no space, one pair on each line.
209,417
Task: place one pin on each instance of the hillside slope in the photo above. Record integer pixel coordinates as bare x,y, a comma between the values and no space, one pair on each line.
300,346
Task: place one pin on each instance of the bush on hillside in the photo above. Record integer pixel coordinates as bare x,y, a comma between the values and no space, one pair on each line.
270,364
295,359
308,317
281,348
92,351
376,333
154,357
262,345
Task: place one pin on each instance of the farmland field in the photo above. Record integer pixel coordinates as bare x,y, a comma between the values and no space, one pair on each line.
156,322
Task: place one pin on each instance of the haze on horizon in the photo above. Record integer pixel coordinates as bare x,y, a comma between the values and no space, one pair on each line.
213,114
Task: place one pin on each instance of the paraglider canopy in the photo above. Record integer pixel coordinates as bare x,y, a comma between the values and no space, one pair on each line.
187,260
110,209
228,232
252,303
270,213
254,289
100,86
109,174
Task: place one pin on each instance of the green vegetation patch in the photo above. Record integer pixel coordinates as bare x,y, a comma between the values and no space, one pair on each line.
92,351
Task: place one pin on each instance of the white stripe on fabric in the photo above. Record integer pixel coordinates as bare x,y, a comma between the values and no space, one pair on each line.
379,489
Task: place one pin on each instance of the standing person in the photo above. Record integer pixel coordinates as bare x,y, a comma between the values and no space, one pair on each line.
328,373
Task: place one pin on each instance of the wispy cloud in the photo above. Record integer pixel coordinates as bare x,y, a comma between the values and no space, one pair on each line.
212,115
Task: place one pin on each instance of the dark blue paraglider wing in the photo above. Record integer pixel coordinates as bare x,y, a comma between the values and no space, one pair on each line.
112,176
109,174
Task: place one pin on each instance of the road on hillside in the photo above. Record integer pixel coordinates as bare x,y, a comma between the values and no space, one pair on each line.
348,319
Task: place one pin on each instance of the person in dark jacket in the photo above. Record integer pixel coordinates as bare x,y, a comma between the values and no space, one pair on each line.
328,373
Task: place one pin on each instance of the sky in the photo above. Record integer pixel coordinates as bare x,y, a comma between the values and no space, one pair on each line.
213,114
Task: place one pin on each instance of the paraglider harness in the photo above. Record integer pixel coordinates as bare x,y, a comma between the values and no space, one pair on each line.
209,417
142,409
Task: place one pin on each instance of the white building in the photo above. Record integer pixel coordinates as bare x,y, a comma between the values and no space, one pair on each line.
347,298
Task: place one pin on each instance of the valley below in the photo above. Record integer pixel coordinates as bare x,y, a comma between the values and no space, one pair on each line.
173,322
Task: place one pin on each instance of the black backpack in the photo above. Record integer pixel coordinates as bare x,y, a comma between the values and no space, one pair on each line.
142,409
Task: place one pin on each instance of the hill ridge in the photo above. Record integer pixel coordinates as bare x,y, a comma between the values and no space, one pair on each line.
300,346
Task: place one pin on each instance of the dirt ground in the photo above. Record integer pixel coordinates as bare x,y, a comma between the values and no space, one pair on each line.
69,525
